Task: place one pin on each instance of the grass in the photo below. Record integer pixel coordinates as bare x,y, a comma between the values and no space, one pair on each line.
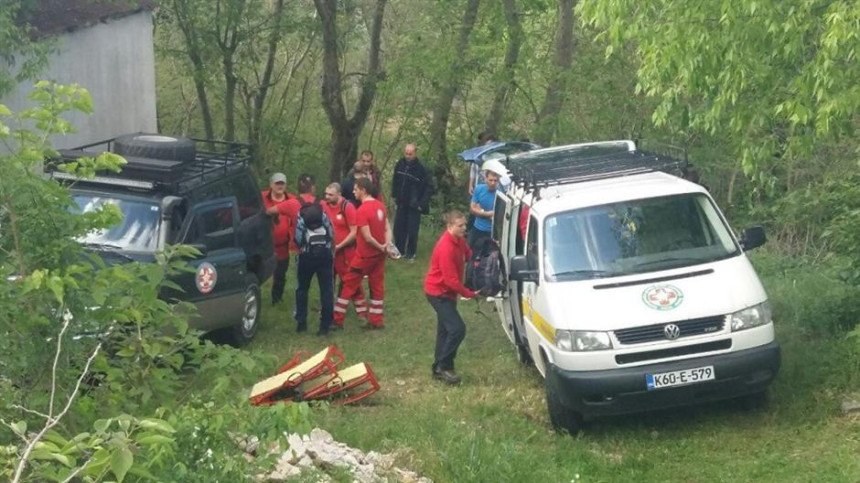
494,427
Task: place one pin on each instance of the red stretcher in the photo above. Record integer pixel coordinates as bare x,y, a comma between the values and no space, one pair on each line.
307,377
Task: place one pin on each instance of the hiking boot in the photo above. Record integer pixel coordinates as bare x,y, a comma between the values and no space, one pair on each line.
302,328
447,376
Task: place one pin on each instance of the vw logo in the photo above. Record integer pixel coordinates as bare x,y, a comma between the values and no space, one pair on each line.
671,331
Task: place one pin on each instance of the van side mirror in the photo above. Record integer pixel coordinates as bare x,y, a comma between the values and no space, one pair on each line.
520,270
753,237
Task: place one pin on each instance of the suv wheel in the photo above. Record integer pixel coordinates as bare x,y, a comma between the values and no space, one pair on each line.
245,329
562,418
156,146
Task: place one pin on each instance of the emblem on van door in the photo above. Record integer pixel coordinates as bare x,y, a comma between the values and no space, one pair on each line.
206,277
671,331
662,297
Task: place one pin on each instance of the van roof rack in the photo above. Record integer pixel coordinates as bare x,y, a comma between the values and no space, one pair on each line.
212,160
591,162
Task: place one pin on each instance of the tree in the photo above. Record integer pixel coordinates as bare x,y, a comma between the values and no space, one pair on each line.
547,120
507,81
22,55
345,128
451,84
769,77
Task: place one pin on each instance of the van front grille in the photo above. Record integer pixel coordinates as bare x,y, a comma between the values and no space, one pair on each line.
651,333
673,352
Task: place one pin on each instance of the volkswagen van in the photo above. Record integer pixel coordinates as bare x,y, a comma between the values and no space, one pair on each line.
626,287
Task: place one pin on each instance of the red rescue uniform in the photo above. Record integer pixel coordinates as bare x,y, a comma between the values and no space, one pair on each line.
281,228
445,275
367,261
290,210
342,217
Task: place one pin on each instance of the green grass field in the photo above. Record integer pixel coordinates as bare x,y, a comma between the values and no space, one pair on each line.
494,427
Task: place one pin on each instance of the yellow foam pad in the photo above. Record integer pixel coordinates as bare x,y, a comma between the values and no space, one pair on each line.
350,374
278,380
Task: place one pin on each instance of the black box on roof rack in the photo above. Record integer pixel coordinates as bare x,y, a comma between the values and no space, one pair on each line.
160,162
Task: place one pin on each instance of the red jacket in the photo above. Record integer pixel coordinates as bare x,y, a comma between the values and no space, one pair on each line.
281,227
445,276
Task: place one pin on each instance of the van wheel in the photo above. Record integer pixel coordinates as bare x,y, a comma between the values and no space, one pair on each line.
563,419
245,329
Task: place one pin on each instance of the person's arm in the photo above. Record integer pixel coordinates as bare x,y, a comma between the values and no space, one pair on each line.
300,232
348,240
475,207
368,237
389,233
451,276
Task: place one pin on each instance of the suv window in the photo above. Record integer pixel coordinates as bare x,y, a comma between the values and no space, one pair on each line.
213,227
247,196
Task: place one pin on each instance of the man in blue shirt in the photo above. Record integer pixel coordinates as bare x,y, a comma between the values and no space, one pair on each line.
483,201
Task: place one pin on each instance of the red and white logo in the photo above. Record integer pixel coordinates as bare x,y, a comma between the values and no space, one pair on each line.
206,277
380,214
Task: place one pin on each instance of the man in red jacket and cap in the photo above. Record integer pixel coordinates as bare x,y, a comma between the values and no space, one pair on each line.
281,232
443,284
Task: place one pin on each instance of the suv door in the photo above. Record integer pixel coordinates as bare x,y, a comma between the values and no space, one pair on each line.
216,286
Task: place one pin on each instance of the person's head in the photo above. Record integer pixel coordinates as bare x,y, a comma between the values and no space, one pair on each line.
307,184
409,152
359,171
484,137
362,188
455,223
278,183
332,194
492,180
366,159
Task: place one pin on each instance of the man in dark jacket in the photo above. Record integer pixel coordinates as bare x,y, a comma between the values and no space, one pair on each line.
364,167
411,189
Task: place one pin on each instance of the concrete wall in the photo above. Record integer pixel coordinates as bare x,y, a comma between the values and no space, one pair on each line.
115,62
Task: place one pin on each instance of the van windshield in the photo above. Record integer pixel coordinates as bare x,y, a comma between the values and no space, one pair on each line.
138,230
634,237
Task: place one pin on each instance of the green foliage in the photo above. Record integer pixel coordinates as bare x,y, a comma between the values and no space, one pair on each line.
21,58
771,76
86,342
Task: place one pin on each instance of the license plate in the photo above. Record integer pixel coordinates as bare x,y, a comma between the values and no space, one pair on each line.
679,378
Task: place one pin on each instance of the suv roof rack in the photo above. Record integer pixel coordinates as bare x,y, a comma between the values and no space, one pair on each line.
212,160
581,163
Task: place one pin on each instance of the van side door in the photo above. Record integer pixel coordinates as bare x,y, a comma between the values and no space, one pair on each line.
217,283
501,234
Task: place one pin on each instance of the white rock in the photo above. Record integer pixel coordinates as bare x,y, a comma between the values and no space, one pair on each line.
321,435
850,406
305,462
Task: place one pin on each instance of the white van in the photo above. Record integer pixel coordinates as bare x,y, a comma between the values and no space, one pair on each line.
626,286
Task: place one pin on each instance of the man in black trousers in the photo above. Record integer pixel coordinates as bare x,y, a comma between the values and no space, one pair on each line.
411,189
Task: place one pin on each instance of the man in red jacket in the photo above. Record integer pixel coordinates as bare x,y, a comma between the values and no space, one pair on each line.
443,284
371,250
281,229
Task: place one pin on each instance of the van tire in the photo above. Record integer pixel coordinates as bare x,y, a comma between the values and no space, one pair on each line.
157,146
246,327
562,419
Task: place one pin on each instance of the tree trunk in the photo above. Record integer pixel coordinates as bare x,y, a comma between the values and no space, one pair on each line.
507,83
183,19
345,130
547,122
228,41
255,128
229,98
439,123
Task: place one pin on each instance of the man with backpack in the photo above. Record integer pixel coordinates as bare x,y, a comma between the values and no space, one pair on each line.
442,285
341,213
315,238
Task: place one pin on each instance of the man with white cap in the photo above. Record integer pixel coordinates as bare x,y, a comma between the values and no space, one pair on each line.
275,195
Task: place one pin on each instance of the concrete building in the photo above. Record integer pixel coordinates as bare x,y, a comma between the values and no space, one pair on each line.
105,46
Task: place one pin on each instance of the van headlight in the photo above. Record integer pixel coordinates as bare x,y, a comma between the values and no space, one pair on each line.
755,316
582,340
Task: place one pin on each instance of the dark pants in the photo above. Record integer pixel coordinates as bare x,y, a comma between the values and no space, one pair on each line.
406,223
308,266
279,279
450,332
475,237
